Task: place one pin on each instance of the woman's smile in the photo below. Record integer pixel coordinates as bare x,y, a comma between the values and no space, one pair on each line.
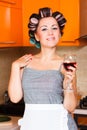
51,38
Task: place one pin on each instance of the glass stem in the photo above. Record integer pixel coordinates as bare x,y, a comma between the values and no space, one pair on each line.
68,85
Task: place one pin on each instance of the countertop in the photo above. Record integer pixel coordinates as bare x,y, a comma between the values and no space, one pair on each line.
10,125
80,111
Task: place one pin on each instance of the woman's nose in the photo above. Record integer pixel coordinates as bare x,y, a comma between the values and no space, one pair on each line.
50,31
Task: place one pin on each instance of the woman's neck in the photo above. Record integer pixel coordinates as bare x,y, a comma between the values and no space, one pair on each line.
47,54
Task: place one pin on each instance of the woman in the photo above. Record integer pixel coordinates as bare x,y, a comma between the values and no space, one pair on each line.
41,78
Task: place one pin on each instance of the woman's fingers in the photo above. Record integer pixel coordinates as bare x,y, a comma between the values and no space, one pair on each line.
27,57
24,60
71,74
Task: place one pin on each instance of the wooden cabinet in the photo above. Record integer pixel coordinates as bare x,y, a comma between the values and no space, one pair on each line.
14,15
80,116
10,23
71,10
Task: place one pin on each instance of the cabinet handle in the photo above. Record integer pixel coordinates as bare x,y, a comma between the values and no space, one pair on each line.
9,2
8,42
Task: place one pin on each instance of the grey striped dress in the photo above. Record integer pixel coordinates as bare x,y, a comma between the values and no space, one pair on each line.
44,87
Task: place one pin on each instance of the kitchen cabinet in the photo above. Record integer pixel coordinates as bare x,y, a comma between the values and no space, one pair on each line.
76,26
70,9
80,116
14,16
10,23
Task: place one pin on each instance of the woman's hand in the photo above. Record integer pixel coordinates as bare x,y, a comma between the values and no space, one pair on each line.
70,91
23,61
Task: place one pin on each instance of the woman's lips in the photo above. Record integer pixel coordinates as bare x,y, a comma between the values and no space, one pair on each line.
50,38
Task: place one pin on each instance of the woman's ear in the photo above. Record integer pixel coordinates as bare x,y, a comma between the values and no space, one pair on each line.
36,37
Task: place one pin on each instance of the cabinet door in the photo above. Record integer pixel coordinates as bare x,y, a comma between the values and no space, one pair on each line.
10,26
5,20
16,26
70,9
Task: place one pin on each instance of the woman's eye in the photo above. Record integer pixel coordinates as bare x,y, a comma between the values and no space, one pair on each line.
54,28
44,29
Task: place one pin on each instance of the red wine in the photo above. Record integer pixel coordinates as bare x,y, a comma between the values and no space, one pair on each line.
67,65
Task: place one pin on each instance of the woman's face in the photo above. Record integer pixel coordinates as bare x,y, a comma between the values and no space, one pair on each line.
48,32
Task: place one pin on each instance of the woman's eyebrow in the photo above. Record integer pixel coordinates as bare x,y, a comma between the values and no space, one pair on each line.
54,25
43,26
46,25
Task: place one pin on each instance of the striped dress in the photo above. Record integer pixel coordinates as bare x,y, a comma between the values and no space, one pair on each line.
43,98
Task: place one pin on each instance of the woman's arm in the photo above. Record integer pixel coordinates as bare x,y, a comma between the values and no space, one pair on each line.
15,88
70,96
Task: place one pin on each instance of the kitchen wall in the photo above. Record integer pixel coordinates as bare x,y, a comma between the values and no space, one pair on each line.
8,55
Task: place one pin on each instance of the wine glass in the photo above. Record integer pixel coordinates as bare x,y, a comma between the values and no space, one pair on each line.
69,60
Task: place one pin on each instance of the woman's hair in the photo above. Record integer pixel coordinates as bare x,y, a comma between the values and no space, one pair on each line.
35,18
